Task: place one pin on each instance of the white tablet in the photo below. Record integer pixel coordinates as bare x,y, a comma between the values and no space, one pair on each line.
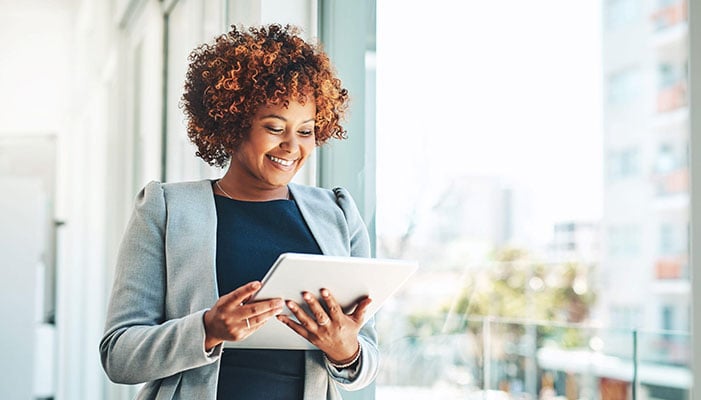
348,279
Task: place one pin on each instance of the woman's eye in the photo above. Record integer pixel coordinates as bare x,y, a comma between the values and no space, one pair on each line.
274,130
306,133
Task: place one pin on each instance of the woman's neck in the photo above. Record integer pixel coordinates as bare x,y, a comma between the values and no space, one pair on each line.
243,188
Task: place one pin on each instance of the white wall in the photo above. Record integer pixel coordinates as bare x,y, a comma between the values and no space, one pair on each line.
20,236
35,68
35,78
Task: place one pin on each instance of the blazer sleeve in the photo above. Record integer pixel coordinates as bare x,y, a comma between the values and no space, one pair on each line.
140,343
366,370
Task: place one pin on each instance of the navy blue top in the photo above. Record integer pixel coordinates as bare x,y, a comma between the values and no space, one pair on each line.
250,237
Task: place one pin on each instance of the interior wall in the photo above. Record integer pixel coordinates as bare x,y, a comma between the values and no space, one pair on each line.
35,74
20,268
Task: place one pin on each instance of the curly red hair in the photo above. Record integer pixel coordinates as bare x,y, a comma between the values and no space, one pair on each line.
228,81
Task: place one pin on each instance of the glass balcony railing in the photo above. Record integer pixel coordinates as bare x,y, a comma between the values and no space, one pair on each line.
672,97
672,268
492,358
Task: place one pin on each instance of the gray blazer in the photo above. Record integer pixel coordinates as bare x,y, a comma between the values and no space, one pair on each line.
166,279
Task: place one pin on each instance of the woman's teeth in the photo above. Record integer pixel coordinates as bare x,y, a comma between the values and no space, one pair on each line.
281,161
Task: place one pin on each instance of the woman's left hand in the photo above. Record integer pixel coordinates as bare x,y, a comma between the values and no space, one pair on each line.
333,332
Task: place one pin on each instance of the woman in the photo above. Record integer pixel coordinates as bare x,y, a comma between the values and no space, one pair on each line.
258,101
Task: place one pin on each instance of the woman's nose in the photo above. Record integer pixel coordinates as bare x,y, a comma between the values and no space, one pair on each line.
289,142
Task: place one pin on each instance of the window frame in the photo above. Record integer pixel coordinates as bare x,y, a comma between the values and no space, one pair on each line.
694,70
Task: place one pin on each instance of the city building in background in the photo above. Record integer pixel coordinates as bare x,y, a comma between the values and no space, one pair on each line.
576,241
646,147
646,188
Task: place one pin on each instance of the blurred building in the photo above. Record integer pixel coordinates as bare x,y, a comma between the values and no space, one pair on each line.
478,208
643,278
646,145
576,241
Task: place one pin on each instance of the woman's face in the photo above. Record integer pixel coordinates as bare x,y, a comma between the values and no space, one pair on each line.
280,140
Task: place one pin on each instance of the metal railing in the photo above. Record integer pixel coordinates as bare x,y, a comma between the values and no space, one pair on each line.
499,358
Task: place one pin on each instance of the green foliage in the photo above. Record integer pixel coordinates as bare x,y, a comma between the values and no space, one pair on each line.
514,286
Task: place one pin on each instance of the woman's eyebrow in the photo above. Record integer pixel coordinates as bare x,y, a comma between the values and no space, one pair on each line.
274,116
280,117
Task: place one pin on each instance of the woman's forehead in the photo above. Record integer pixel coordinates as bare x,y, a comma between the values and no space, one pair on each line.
289,107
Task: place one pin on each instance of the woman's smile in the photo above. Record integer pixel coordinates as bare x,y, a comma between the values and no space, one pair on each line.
280,161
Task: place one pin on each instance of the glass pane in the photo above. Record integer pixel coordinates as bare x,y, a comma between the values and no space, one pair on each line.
533,157
664,364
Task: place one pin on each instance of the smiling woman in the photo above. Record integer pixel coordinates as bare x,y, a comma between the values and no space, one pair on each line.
193,254
229,80
280,140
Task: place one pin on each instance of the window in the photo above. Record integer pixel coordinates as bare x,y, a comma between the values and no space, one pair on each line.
489,208
667,241
623,164
670,75
673,239
619,13
667,317
666,160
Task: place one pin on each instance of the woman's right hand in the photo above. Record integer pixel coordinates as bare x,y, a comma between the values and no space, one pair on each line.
232,319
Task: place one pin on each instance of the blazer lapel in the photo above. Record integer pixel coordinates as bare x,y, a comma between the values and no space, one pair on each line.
191,239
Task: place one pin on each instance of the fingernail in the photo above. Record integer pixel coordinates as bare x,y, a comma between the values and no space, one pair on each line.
307,296
324,292
255,285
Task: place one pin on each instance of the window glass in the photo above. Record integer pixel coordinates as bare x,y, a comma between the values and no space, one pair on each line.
623,163
537,170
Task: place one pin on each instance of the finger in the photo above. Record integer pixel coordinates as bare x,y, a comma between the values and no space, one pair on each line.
240,295
244,327
304,319
335,310
359,313
256,321
320,316
301,331
262,307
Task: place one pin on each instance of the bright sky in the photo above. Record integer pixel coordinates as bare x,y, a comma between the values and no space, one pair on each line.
498,88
